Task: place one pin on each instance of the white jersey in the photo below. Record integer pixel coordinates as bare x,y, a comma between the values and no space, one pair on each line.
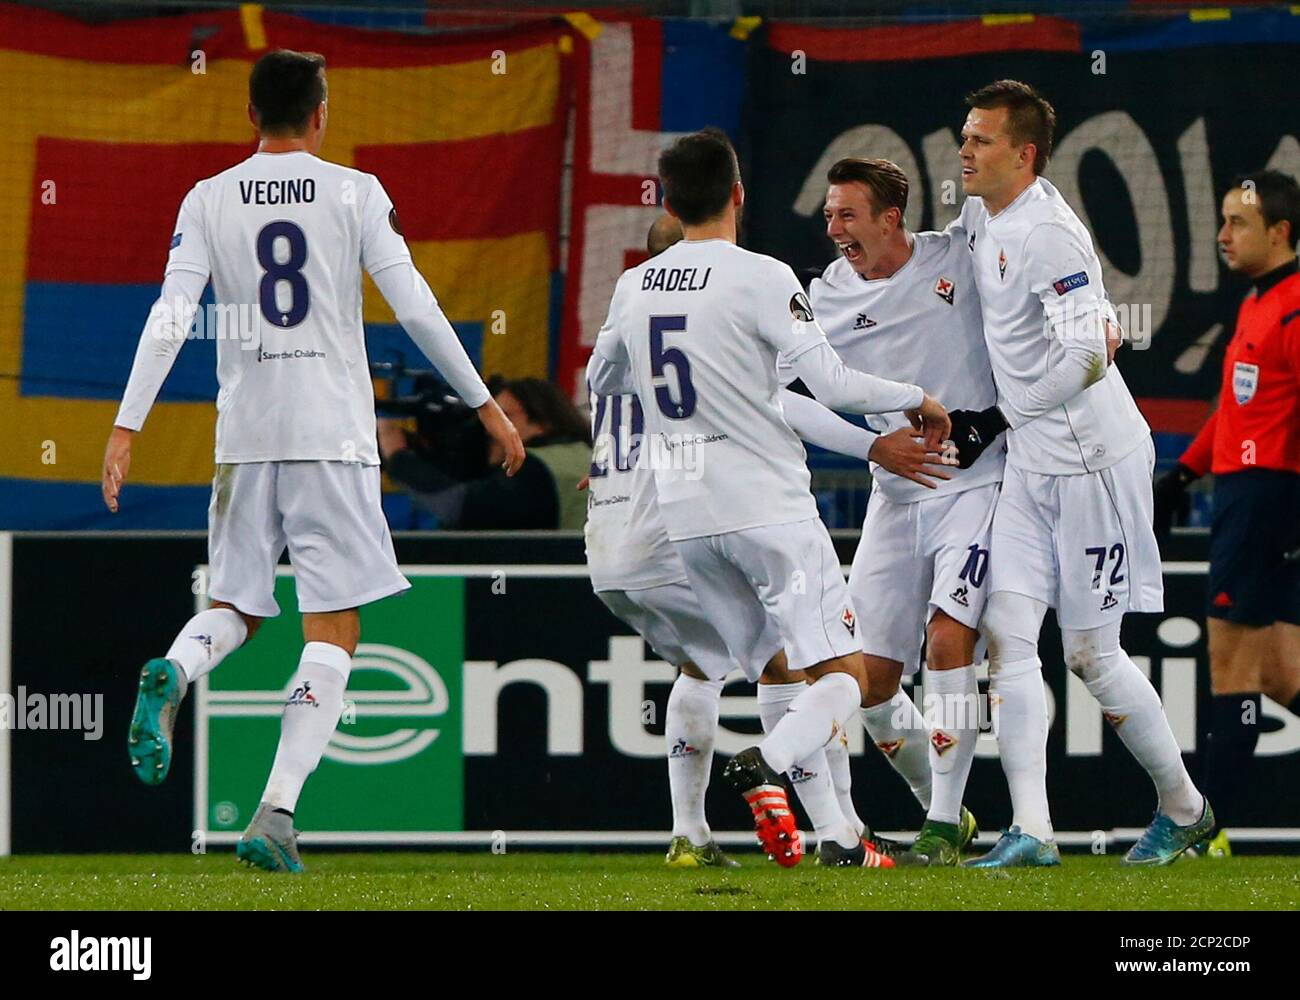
285,236
700,326
922,324
627,546
1040,287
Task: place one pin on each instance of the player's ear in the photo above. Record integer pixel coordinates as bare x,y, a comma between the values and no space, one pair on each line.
252,116
738,194
668,207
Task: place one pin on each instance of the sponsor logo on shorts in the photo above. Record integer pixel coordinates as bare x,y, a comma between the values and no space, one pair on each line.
944,289
1070,282
941,741
863,322
849,621
682,749
798,775
1114,718
971,243
1109,601
890,748
302,696
960,595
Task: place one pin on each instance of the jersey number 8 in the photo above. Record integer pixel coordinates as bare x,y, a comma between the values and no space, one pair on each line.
273,272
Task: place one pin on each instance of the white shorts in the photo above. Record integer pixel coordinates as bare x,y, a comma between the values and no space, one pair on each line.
329,516
914,557
671,620
1082,544
787,571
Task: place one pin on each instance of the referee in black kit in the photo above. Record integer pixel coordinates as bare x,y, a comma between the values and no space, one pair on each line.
1252,445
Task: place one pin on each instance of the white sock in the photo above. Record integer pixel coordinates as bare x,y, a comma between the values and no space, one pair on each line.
837,759
309,719
899,731
952,706
810,775
1133,708
811,720
207,639
690,728
1019,710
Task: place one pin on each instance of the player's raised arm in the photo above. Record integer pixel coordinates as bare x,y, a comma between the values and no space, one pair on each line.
164,332
386,257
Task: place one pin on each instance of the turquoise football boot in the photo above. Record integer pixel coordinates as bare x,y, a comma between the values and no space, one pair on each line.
162,687
270,843
1164,840
1017,850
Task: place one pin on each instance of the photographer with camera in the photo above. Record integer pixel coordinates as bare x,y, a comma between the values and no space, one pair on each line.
453,471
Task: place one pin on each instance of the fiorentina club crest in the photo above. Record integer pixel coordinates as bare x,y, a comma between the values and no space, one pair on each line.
850,622
1002,265
944,289
890,747
941,742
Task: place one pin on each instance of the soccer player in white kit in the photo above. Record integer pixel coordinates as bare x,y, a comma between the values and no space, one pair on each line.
286,234
904,305
1073,524
695,333
637,574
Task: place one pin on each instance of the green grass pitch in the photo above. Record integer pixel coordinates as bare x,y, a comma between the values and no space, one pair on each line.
573,881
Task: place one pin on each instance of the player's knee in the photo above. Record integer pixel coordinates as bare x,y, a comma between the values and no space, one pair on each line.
1011,634
1087,653
949,643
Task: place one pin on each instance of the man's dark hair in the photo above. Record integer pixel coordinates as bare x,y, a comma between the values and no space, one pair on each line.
697,172
547,406
883,178
1030,118
1277,196
285,87
664,232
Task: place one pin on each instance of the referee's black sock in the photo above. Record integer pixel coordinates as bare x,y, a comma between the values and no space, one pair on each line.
1230,752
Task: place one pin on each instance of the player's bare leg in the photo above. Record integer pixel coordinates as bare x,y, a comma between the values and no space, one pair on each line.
198,648
310,717
1280,673
690,729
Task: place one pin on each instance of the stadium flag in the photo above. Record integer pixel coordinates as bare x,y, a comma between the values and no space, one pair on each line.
639,84
108,126
1153,123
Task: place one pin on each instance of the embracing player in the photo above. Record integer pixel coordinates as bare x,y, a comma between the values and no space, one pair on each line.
297,463
904,305
637,574
695,333
1072,529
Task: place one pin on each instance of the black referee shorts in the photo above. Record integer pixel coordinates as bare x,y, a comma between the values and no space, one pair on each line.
1256,521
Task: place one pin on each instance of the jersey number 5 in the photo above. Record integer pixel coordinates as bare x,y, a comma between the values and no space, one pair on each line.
662,358
273,272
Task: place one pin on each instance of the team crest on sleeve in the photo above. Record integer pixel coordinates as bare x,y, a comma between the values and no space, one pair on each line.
392,221
1002,265
944,289
1070,282
801,308
176,240
1245,380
